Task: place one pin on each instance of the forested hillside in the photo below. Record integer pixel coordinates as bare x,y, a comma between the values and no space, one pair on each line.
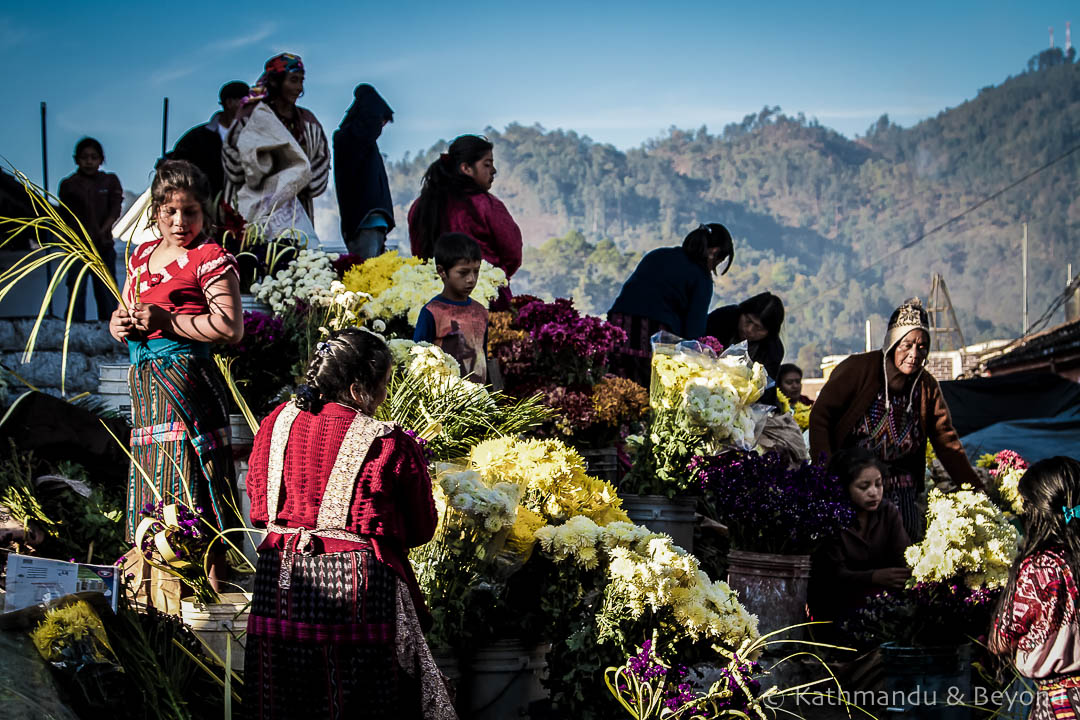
808,208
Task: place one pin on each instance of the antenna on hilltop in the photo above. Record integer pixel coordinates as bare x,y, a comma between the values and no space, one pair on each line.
1068,37
1051,37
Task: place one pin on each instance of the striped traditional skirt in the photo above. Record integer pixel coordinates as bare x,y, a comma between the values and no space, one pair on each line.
1057,700
180,440
329,646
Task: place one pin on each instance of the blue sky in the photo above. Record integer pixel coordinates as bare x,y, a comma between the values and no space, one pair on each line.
618,72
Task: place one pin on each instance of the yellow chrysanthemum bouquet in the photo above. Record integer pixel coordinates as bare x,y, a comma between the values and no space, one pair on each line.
701,404
799,410
399,287
968,539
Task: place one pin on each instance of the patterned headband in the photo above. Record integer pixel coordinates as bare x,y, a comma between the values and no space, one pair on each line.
910,315
283,63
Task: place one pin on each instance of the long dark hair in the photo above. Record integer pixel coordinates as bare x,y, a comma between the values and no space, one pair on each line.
348,358
178,176
706,237
768,307
1048,489
442,179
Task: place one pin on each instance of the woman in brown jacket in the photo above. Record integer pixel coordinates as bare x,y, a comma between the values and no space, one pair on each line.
885,401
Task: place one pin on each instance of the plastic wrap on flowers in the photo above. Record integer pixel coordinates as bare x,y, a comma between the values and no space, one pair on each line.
714,395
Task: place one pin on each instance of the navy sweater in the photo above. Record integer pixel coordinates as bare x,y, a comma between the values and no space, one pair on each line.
669,288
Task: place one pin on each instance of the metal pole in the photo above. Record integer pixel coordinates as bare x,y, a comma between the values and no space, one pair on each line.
44,151
869,346
164,126
1024,260
45,187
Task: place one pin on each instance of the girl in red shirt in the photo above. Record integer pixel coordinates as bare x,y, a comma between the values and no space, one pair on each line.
183,294
455,197
1037,622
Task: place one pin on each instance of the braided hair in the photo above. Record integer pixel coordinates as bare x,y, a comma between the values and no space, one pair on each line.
350,359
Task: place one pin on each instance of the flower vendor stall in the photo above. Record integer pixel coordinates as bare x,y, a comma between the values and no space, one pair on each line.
927,629
531,548
775,516
550,349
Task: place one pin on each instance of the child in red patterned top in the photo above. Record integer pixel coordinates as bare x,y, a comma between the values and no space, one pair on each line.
182,295
1036,623
452,320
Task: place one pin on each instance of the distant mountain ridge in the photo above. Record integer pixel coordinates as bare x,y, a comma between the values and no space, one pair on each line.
808,207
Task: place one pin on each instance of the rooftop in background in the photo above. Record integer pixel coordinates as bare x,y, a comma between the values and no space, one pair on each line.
1056,350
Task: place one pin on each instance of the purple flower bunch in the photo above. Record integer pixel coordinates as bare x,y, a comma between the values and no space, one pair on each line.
260,330
537,313
712,343
570,348
770,508
587,336
748,671
678,693
425,448
925,614
185,538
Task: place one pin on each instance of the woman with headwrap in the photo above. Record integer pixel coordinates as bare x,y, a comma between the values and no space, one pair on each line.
276,156
363,192
885,401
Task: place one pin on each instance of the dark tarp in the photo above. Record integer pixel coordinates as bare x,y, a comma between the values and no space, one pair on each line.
982,402
1035,439
1037,414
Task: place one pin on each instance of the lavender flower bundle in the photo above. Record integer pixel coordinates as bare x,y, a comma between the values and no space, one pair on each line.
648,687
170,538
769,508
925,614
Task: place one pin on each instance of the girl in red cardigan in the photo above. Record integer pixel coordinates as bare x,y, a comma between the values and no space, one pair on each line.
335,618
455,197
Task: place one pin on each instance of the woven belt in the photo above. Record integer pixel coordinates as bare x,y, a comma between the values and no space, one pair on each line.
899,482
300,542
1064,682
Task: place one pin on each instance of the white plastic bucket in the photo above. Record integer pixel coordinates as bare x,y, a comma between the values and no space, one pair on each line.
113,388
504,679
220,624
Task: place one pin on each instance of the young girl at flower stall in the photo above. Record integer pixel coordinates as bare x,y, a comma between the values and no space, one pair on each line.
867,557
453,320
335,618
1036,624
455,196
183,295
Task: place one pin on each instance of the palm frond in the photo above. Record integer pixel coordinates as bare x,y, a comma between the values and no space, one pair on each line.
57,240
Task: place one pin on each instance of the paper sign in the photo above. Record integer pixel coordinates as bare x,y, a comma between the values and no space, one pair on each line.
35,580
